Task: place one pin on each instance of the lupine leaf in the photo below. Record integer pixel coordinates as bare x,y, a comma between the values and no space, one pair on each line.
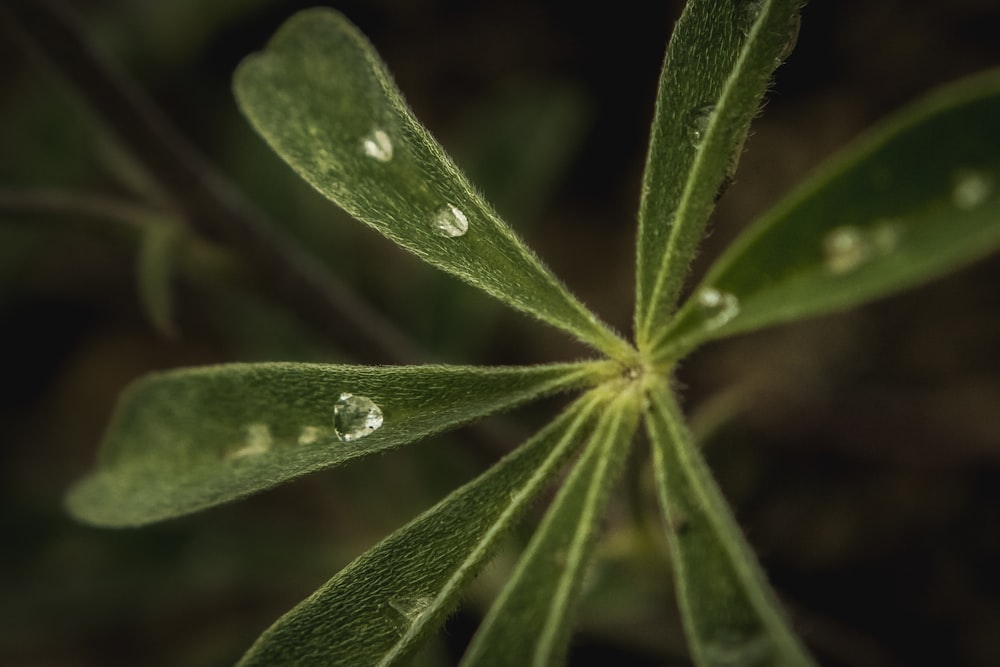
381,607
917,197
719,61
322,98
185,440
730,613
155,269
530,623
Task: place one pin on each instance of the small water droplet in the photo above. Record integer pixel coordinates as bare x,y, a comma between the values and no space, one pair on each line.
971,189
678,522
450,222
698,122
748,16
848,247
309,435
378,145
257,441
791,39
844,249
717,307
404,612
354,417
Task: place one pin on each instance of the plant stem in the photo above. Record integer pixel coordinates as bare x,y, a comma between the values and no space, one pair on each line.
206,200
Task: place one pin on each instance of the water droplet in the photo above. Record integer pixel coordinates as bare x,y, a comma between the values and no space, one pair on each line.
718,307
748,16
377,145
844,249
309,435
849,247
677,522
791,40
354,417
971,189
450,221
258,441
404,612
698,122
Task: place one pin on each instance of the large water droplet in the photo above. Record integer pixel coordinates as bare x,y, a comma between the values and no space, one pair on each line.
848,247
257,441
354,417
971,189
450,221
717,307
378,145
698,122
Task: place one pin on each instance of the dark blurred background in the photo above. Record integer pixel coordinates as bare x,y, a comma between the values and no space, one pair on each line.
861,451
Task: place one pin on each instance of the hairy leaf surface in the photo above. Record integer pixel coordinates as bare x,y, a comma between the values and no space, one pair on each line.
398,593
718,63
322,98
915,198
730,614
530,623
185,440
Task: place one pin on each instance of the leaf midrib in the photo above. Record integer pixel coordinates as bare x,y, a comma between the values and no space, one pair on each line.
694,177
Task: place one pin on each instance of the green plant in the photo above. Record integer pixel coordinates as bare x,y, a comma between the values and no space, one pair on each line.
881,217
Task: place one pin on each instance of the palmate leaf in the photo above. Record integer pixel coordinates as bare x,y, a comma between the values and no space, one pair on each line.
322,98
531,621
185,440
729,611
915,198
380,608
718,63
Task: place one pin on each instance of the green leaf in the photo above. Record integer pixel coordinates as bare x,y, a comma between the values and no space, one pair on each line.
718,63
155,266
917,197
380,608
530,623
730,613
322,98
186,440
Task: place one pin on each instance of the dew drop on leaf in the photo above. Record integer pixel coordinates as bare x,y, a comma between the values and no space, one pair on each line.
748,16
450,222
717,307
404,612
678,522
844,249
848,247
971,189
309,435
794,26
698,123
378,145
258,441
354,417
